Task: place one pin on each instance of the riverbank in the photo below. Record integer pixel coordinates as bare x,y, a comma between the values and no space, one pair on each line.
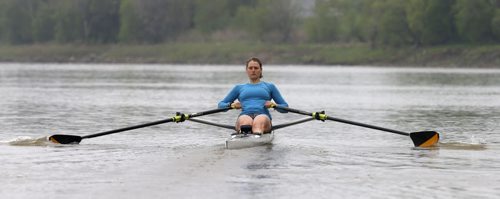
235,53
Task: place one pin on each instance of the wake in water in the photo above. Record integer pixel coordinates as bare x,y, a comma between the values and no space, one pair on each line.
28,141
472,144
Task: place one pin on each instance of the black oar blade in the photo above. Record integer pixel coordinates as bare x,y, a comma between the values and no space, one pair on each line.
65,139
425,138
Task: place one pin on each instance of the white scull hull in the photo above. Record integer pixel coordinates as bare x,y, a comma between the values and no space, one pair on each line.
250,140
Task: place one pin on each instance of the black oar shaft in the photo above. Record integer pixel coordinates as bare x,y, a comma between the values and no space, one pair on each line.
367,126
278,126
209,112
344,121
212,123
128,128
154,123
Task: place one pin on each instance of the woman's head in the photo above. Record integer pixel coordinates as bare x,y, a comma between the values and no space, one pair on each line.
254,68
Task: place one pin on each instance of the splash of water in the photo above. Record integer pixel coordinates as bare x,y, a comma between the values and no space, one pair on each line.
29,141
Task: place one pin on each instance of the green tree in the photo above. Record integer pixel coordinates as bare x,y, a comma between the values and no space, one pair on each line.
495,25
212,15
323,25
17,19
390,26
430,21
473,19
44,22
2,20
268,20
354,19
164,20
69,22
100,20
130,23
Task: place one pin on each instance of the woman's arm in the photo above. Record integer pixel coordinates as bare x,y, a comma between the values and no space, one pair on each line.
230,97
276,96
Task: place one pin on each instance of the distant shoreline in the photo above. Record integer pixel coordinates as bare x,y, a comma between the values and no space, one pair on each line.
474,56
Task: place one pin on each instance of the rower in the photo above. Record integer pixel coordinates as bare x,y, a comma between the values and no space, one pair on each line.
254,99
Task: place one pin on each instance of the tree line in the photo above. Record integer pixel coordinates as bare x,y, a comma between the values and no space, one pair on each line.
377,22
406,22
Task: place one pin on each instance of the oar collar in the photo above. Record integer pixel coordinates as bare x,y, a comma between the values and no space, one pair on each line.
180,117
320,115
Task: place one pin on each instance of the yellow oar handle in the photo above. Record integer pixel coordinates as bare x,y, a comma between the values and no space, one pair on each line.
273,105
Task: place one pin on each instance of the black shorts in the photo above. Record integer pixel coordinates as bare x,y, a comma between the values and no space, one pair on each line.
253,115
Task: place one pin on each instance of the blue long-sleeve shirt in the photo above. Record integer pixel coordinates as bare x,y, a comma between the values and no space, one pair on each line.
253,98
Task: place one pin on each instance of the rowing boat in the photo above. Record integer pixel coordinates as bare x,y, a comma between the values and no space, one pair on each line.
238,141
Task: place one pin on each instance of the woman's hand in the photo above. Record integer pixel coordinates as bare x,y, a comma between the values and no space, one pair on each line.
269,104
236,105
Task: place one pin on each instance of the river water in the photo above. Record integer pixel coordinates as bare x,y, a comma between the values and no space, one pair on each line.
188,160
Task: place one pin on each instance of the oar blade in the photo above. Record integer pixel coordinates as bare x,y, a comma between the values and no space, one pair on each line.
65,139
425,138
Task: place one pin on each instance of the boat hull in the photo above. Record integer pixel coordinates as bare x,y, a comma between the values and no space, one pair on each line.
239,141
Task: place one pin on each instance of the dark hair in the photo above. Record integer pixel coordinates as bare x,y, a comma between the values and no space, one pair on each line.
255,59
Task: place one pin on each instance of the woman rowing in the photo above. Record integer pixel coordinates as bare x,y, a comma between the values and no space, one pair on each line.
254,98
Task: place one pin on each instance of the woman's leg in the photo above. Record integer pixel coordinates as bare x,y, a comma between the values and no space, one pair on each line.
243,120
261,124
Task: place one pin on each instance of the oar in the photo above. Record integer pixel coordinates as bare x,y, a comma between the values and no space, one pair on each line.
420,139
75,139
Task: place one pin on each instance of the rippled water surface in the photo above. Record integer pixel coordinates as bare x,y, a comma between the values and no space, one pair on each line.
188,160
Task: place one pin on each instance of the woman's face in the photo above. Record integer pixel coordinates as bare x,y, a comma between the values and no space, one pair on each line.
254,71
